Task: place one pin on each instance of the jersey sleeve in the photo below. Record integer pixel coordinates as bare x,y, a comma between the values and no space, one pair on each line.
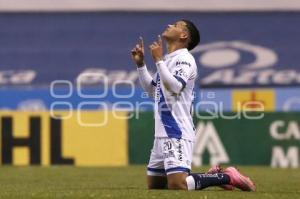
146,80
183,70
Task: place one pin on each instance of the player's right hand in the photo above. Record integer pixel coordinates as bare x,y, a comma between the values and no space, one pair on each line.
137,53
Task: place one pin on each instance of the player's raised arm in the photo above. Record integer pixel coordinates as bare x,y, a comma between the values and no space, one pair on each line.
170,82
137,54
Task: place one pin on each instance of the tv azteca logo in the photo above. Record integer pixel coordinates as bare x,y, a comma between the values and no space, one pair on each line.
241,63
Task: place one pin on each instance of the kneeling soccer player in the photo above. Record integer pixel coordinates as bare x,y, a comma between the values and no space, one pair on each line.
172,87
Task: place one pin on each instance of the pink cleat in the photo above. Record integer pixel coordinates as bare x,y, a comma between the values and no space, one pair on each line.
238,180
218,169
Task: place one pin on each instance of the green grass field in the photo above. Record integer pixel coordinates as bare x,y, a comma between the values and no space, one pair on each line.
129,182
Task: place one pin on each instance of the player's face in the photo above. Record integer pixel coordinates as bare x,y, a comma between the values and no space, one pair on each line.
175,31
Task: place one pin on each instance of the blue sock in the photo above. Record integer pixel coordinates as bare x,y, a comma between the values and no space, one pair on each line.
203,180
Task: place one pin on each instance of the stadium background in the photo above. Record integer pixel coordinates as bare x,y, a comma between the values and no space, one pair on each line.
70,94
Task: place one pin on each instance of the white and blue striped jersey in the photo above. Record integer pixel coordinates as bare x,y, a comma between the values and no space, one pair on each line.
173,111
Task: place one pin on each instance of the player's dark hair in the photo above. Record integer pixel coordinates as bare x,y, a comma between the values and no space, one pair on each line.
194,34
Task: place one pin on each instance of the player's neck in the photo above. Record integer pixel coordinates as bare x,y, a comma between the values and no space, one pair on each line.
171,47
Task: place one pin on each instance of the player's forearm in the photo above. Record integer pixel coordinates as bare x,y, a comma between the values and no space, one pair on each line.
145,79
169,81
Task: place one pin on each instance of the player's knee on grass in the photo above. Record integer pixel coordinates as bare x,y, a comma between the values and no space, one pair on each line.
157,186
157,182
177,186
176,181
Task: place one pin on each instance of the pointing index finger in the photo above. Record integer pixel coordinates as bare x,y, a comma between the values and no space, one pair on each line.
159,40
141,42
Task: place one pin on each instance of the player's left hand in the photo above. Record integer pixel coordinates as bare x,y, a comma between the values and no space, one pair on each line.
156,49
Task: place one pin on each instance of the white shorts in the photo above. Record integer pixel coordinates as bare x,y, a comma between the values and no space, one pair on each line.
170,155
